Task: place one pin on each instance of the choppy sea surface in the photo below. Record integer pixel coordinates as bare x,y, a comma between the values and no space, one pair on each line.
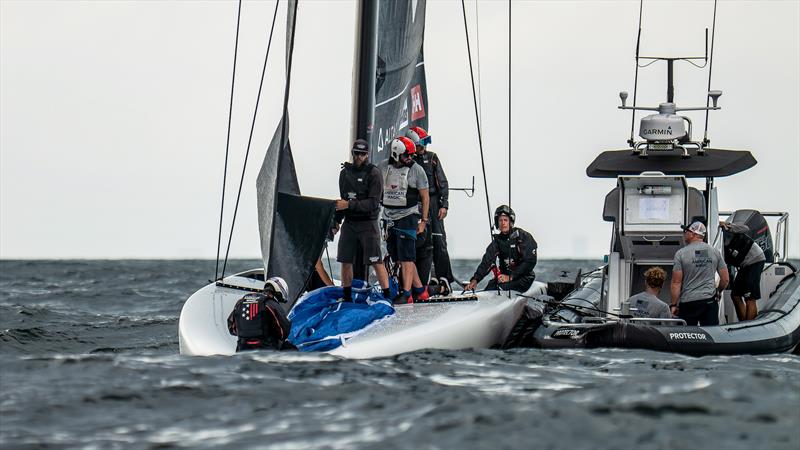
89,359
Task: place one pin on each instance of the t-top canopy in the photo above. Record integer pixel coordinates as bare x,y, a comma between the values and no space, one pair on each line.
714,163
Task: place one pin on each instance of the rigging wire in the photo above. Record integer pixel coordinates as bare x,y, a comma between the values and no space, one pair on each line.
477,117
478,50
330,267
250,138
509,103
228,139
710,65
636,75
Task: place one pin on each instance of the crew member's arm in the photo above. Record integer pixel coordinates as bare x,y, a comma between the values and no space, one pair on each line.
282,325
528,249
442,186
724,278
341,204
232,321
675,290
420,182
426,203
374,192
488,259
323,275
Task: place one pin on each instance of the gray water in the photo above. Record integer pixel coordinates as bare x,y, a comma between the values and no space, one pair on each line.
89,358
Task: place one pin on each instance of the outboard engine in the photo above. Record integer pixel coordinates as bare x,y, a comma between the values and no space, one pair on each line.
758,231
583,301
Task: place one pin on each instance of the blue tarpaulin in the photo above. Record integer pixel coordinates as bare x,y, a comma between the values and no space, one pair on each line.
320,322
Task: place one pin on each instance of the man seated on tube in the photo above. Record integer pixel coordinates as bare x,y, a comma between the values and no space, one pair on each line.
647,303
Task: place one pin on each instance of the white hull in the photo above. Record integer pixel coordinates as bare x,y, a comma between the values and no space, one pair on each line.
483,323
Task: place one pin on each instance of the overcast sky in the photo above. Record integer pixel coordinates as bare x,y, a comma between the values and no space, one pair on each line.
113,114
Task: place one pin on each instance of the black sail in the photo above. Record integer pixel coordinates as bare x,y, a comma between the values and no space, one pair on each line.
401,98
293,228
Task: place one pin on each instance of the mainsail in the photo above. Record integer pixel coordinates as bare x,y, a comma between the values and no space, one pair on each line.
401,98
292,228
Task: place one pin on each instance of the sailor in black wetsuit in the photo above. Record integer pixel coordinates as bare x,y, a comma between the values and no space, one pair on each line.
259,321
432,248
516,250
360,189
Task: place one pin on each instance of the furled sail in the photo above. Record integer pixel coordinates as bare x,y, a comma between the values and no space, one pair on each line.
292,228
401,98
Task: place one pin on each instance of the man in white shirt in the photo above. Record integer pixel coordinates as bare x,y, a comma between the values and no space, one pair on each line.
405,187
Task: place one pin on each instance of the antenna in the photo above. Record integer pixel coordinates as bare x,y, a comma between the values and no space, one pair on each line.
631,142
706,141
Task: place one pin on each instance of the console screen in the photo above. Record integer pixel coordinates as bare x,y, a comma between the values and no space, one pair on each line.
654,208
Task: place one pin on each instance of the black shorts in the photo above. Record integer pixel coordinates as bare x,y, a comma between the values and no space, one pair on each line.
364,237
747,283
699,312
402,240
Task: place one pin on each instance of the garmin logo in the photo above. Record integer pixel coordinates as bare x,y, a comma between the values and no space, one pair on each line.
566,333
667,132
692,336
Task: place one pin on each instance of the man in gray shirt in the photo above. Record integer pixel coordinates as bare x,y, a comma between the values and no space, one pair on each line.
694,296
405,187
647,303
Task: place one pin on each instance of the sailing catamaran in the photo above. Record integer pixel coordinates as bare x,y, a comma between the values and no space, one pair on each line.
390,95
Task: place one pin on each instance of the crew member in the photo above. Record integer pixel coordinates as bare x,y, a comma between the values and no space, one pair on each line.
647,303
405,186
434,248
694,297
516,250
360,189
319,277
259,321
748,257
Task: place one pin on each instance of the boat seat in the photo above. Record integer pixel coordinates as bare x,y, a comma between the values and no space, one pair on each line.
771,278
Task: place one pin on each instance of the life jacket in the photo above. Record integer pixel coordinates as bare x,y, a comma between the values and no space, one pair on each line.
429,161
509,252
355,186
737,245
396,192
253,319
757,229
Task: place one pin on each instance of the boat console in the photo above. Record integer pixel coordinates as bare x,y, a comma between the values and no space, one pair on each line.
647,212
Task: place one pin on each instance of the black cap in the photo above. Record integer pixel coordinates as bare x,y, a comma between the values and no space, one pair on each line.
361,146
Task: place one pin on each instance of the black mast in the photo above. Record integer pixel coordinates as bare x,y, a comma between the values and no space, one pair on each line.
364,114
364,89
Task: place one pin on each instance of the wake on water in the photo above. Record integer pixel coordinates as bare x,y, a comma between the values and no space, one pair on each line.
89,358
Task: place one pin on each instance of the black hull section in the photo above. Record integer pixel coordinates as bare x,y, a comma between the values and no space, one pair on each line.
776,330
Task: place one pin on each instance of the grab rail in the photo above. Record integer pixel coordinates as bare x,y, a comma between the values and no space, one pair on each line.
594,321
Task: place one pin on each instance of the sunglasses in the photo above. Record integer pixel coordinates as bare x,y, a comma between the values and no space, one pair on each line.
356,153
425,141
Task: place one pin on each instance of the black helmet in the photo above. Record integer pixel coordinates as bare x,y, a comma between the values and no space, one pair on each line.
503,210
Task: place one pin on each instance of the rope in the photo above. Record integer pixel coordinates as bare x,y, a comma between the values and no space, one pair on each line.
636,75
250,139
228,140
477,117
710,65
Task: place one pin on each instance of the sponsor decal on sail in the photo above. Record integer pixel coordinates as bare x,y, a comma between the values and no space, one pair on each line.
417,107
